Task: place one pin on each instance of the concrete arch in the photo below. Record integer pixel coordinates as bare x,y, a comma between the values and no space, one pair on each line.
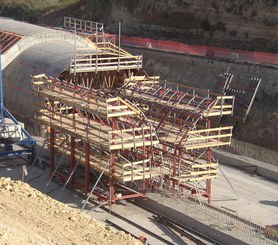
29,41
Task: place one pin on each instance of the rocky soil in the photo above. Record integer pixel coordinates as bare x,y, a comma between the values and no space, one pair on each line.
29,217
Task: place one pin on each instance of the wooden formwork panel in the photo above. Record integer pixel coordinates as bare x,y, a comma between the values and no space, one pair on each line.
189,168
122,172
98,134
104,107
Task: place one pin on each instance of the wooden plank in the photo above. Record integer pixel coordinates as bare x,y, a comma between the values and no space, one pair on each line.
210,130
133,137
120,114
116,107
132,145
225,97
198,173
201,138
129,106
218,113
223,106
209,165
192,147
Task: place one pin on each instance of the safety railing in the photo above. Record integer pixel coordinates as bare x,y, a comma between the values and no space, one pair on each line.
82,25
95,63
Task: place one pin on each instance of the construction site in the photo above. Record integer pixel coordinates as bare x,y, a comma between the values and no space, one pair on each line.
112,133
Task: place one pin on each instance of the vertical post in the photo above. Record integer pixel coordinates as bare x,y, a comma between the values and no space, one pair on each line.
96,48
72,157
208,182
1,90
87,166
111,180
119,44
181,154
174,169
75,49
111,173
52,150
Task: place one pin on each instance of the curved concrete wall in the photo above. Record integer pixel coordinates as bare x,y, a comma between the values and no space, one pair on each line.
43,37
42,50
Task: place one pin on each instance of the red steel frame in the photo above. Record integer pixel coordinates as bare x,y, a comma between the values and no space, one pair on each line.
114,123
173,112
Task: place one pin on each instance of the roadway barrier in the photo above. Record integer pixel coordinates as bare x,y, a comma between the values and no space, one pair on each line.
177,47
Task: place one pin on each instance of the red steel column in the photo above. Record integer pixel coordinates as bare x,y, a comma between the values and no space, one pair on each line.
111,180
209,180
52,150
72,156
209,161
87,166
174,169
181,154
52,141
111,173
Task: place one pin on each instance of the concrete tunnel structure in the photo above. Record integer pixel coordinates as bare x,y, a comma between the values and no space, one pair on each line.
38,50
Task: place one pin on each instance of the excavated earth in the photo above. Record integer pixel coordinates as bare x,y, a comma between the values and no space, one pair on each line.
29,217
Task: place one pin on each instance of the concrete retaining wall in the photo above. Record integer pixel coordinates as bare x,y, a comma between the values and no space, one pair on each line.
248,164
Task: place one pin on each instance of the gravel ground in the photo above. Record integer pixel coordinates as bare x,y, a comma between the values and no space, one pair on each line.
30,217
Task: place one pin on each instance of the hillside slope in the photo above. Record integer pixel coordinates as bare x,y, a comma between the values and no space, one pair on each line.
249,25
29,217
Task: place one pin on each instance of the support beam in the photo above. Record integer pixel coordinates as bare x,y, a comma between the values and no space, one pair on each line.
72,156
52,150
87,167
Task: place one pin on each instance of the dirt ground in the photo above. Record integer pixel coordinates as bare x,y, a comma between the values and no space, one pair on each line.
30,217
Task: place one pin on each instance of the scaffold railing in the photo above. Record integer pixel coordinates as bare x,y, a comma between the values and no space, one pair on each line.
82,25
104,62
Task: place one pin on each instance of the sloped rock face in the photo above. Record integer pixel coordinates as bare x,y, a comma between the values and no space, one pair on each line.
239,24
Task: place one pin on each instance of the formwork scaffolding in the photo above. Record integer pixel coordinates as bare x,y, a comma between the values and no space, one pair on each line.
101,132
136,132
186,131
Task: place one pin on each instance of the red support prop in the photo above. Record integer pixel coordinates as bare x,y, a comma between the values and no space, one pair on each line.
87,166
52,150
208,181
111,173
72,157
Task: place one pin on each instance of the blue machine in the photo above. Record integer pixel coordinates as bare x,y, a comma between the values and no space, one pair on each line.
14,139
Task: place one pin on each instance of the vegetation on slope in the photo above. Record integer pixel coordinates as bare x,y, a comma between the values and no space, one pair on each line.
31,10
247,25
